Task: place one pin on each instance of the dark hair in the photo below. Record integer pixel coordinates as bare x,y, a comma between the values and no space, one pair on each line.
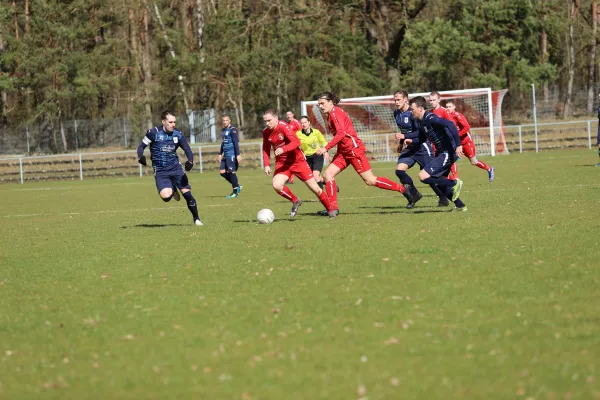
289,111
402,92
165,114
434,93
419,101
271,111
305,116
329,96
226,116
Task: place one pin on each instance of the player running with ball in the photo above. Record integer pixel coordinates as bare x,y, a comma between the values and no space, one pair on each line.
289,161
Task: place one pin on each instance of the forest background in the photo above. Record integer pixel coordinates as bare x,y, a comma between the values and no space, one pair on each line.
94,59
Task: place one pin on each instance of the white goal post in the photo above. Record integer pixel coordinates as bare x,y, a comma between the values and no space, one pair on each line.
373,117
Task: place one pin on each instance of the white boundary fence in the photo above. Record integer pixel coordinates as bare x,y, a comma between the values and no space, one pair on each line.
521,138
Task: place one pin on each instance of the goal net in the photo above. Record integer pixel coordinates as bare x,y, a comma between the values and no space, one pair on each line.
373,119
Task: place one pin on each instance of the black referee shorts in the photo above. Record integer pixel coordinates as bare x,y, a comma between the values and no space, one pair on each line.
315,162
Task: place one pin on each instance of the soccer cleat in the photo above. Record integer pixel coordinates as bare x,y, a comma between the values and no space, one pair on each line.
412,198
295,206
491,174
197,222
325,213
443,202
460,208
176,195
456,189
333,213
236,193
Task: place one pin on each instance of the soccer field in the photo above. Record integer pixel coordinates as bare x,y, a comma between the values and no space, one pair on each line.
107,292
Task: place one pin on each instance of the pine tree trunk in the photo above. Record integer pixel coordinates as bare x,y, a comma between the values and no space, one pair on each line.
544,50
27,17
573,4
63,136
200,28
15,19
592,65
3,96
146,68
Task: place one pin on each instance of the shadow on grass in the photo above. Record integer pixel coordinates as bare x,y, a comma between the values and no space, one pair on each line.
153,226
249,221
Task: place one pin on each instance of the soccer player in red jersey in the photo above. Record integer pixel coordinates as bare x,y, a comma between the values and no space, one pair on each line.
289,160
296,126
465,139
350,151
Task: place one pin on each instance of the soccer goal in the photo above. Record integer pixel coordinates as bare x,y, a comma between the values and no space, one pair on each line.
373,119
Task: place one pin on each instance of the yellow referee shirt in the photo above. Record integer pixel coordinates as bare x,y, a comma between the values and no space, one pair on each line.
311,142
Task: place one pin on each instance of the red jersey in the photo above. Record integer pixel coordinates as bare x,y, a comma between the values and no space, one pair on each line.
341,127
281,137
442,112
295,124
461,124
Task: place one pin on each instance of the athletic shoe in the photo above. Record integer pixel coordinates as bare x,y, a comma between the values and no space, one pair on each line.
236,193
333,213
295,206
198,223
443,202
325,213
456,189
460,208
176,195
491,173
412,199
598,165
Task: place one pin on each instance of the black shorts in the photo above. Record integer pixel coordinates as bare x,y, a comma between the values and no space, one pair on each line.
440,164
315,162
229,164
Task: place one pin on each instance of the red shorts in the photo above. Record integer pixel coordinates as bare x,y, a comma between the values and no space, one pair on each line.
300,168
468,147
357,158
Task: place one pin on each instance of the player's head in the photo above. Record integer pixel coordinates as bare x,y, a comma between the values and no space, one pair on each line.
417,107
434,99
451,106
305,122
289,115
226,121
401,99
326,101
168,121
270,117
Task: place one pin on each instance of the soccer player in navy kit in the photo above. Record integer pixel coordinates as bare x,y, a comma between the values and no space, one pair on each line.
415,152
444,137
169,175
229,156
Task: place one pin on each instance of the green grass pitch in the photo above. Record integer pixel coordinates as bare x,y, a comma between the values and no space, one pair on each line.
107,292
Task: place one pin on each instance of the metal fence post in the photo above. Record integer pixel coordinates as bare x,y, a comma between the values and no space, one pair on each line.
21,169
589,134
200,159
387,147
520,140
262,162
141,171
80,168
125,131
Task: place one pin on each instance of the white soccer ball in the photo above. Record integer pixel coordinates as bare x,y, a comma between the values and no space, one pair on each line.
265,216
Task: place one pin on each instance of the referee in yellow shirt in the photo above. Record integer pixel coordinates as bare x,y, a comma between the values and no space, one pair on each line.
311,140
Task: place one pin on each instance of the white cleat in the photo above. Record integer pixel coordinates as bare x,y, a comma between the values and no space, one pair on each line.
198,223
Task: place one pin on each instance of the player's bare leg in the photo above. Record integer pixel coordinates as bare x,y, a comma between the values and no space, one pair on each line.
480,164
316,189
382,182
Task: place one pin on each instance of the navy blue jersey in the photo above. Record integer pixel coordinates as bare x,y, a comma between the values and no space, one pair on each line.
598,113
407,124
440,132
163,148
230,145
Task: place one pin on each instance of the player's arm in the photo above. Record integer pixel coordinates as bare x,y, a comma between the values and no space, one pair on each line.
340,131
235,138
146,140
189,164
462,124
294,141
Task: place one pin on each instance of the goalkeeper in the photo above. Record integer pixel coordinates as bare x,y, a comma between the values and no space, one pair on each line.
169,175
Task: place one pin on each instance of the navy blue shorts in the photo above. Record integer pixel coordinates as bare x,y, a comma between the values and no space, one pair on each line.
229,164
423,156
172,178
440,164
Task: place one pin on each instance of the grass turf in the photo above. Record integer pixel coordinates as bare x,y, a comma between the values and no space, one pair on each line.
107,292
